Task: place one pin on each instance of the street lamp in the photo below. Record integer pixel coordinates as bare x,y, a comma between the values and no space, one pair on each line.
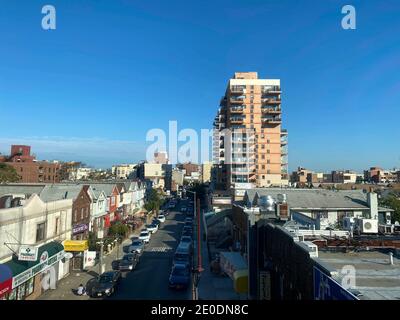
101,257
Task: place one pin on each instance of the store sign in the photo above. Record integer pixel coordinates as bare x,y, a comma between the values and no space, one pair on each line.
30,273
89,258
76,245
325,288
27,253
80,228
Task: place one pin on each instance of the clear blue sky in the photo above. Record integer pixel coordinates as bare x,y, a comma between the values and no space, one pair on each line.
112,70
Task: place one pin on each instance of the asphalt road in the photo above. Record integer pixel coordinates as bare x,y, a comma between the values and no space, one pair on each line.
150,278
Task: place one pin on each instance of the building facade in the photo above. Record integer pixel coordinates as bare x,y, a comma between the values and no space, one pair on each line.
248,138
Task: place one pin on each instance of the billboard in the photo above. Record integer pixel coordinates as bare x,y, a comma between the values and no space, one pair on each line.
325,288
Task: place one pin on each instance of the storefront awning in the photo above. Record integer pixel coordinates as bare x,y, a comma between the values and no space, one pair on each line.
76,245
5,279
17,267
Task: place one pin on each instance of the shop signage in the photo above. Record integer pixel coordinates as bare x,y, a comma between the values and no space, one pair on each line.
76,245
43,264
27,253
80,228
326,288
89,258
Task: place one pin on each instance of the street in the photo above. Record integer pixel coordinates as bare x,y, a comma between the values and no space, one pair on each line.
150,278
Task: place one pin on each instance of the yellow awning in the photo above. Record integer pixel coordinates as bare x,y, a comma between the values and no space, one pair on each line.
240,280
76,245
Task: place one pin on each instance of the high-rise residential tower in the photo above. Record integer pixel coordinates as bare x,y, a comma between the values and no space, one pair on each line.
249,145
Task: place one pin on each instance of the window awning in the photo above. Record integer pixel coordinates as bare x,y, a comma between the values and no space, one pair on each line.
17,267
5,279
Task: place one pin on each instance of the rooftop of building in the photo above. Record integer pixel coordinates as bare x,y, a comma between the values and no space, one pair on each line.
314,198
375,277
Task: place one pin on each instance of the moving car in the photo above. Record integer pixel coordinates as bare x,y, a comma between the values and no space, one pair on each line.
189,219
187,230
106,284
145,236
186,239
188,224
182,256
179,277
161,218
156,222
136,246
183,209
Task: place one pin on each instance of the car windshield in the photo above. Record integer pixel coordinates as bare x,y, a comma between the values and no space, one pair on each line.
185,239
144,234
137,243
105,279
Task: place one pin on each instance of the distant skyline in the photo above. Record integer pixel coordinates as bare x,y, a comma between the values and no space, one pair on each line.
112,70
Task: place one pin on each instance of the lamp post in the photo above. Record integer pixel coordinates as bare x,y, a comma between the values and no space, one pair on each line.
101,257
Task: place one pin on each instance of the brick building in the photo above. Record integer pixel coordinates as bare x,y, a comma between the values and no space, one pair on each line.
29,169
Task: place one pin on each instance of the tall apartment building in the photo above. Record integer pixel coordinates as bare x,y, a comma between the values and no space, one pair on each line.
249,143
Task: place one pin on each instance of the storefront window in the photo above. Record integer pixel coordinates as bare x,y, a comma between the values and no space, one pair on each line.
29,286
21,291
13,294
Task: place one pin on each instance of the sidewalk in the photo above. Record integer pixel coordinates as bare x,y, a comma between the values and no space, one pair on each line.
66,285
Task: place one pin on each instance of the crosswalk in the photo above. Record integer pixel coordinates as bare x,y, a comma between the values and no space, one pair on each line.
159,249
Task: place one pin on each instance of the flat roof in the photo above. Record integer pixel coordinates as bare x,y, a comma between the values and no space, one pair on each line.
375,278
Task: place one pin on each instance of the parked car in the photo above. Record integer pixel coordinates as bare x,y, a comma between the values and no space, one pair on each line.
179,277
166,213
106,284
188,224
129,262
161,218
188,229
189,219
157,222
152,227
187,232
136,246
145,236
183,209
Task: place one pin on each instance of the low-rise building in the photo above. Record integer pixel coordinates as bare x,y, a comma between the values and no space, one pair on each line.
124,171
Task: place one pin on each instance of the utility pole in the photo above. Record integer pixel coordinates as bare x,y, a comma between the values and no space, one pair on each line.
101,258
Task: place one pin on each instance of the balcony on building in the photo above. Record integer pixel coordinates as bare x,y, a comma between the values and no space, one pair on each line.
271,110
271,101
284,140
237,119
239,99
272,90
238,89
271,119
237,109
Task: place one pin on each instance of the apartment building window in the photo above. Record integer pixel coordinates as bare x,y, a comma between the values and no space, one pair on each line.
268,141
263,177
268,171
40,231
262,156
76,215
263,166
262,146
269,181
82,211
268,161
262,136
268,151
112,201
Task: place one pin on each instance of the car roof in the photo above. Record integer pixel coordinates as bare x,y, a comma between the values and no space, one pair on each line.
109,273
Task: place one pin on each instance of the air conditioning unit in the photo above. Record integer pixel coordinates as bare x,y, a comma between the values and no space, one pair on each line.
367,226
310,247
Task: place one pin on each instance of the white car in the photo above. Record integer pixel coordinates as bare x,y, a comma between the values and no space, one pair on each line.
161,218
153,228
145,236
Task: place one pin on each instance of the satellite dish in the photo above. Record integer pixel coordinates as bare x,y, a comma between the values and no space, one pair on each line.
68,255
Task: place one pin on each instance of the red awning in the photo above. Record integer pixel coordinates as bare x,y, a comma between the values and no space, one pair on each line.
5,280
107,222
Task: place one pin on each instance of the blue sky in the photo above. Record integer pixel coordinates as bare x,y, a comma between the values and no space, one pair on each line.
112,70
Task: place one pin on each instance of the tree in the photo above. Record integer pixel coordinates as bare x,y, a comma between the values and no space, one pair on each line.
393,203
119,230
154,201
8,174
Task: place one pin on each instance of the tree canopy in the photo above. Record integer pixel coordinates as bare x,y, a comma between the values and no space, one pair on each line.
8,174
392,202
